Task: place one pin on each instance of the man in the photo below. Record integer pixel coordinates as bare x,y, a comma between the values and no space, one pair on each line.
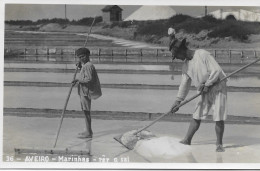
88,87
171,33
202,69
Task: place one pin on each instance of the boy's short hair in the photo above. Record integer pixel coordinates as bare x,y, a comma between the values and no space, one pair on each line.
82,51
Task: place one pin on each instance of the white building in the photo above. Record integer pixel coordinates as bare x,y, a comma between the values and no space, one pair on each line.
242,15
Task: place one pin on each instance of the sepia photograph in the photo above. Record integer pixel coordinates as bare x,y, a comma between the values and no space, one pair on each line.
130,85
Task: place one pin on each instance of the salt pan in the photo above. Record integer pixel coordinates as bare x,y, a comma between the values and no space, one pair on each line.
162,147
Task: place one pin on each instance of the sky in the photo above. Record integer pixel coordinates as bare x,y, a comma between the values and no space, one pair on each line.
35,12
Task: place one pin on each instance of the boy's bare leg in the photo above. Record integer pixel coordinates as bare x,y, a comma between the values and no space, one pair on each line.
88,133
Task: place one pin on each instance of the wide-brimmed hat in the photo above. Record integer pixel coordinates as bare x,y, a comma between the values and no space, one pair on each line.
82,51
177,44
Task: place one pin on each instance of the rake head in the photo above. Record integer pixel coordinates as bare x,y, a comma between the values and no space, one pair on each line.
129,139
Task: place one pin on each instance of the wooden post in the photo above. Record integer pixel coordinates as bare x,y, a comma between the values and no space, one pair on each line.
25,51
255,54
126,52
99,51
215,54
74,54
229,54
126,55
36,54
61,53
112,54
242,54
48,53
141,52
157,52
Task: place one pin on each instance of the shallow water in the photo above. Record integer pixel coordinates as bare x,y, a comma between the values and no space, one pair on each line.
127,100
150,79
97,66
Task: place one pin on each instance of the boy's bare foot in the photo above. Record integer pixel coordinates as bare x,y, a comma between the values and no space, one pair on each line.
220,148
84,135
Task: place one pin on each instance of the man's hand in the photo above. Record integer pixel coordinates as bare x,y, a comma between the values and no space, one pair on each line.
173,108
74,82
204,89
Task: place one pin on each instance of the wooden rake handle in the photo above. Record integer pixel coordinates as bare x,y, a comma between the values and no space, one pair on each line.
194,97
65,106
67,100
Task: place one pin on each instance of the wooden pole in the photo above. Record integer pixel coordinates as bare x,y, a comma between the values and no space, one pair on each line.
65,106
229,54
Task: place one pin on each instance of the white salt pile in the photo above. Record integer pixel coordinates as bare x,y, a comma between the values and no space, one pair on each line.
163,148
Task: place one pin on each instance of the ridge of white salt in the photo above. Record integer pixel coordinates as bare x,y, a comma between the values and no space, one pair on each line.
162,147
149,12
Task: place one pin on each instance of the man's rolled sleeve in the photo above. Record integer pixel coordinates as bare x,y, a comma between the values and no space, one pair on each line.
184,87
214,69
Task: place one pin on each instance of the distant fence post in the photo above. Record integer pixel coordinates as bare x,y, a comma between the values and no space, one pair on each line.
126,52
157,52
215,54
255,54
36,54
126,55
99,51
74,52
141,52
229,54
61,53
25,51
48,53
112,54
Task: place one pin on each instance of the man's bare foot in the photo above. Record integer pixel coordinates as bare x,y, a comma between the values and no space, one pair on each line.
220,148
185,142
82,133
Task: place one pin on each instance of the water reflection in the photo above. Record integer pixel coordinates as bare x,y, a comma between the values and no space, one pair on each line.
219,158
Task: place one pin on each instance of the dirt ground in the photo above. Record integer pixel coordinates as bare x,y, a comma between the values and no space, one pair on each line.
195,40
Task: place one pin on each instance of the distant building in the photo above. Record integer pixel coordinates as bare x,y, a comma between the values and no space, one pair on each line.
112,13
